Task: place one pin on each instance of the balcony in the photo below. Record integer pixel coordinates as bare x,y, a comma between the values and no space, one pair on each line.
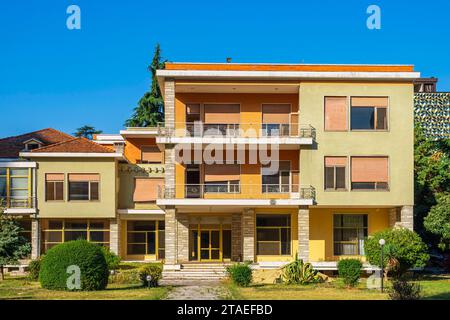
19,204
236,194
237,133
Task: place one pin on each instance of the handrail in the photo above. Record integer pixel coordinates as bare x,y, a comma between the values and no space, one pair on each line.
247,130
236,191
24,202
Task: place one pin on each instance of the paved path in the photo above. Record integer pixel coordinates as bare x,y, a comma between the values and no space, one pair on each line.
198,292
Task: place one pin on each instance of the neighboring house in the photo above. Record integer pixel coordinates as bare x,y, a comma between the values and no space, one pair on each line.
255,162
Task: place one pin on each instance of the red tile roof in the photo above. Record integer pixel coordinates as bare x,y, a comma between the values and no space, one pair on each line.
11,146
75,145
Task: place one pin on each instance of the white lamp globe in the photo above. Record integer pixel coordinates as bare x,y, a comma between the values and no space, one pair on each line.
382,242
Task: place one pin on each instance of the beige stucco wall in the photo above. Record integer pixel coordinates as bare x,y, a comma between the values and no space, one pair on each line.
104,208
397,143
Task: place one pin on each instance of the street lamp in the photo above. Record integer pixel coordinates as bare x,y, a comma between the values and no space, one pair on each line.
149,279
382,242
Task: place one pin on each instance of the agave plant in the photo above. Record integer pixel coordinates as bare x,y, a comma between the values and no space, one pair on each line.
299,272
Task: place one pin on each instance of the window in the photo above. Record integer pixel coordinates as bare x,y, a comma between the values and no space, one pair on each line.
275,119
15,187
147,189
349,232
146,238
31,146
222,178
370,173
151,154
54,186
278,180
369,113
335,173
84,187
335,113
57,231
273,234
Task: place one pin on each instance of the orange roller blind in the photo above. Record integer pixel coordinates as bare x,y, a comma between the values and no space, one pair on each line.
152,154
335,113
276,113
54,177
370,169
222,172
335,161
146,189
73,177
370,102
222,113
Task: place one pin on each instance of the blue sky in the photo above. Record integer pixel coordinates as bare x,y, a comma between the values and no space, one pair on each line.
54,77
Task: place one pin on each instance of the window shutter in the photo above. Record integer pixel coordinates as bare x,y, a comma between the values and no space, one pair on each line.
336,113
146,189
370,169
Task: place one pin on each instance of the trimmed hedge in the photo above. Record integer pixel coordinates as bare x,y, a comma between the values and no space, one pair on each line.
34,268
350,271
87,256
112,259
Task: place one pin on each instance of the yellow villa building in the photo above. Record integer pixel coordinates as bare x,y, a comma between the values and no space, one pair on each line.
254,162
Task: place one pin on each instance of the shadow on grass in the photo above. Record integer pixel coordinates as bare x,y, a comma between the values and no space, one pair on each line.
440,296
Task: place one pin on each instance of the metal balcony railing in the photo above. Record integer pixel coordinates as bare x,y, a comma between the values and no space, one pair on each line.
236,191
18,202
236,130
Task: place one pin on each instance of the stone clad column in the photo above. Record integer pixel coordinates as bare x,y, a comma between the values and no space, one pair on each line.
182,237
407,217
303,233
114,236
171,236
35,238
248,235
236,237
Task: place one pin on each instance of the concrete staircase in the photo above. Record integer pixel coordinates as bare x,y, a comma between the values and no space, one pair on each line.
194,274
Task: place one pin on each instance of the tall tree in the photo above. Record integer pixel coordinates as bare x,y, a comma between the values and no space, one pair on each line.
13,246
150,108
87,132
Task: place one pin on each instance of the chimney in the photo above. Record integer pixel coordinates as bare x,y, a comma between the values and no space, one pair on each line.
228,60
119,147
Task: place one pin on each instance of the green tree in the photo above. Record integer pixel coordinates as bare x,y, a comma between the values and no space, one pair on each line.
438,220
87,132
431,175
13,246
150,108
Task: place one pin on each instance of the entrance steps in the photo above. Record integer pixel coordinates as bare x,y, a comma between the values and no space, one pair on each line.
194,273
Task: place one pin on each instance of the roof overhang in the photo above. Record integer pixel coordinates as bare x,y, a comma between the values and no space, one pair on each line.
150,132
17,164
287,75
69,155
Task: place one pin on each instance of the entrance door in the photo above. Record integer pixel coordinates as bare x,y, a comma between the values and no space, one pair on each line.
209,243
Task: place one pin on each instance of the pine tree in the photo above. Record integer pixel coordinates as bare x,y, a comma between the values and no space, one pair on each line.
87,132
13,246
150,109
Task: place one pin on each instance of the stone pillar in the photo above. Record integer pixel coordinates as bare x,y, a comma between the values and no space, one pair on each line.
169,103
303,233
182,237
236,237
248,235
171,236
35,238
407,217
114,236
169,172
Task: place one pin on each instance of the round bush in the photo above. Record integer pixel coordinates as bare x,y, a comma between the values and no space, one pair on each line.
87,256
402,244
350,271
240,274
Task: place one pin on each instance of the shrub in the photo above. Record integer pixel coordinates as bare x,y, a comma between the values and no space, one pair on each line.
403,247
152,269
298,272
404,290
241,274
112,259
350,271
87,256
33,269
126,277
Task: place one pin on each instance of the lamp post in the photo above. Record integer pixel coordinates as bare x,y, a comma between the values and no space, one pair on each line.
382,243
149,279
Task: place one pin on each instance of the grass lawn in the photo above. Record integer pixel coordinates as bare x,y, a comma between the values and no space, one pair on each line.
433,287
20,288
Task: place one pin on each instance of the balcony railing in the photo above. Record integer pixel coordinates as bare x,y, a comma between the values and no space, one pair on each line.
237,191
17,202
236,130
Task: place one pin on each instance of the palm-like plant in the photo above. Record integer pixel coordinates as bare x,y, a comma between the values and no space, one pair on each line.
299,272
